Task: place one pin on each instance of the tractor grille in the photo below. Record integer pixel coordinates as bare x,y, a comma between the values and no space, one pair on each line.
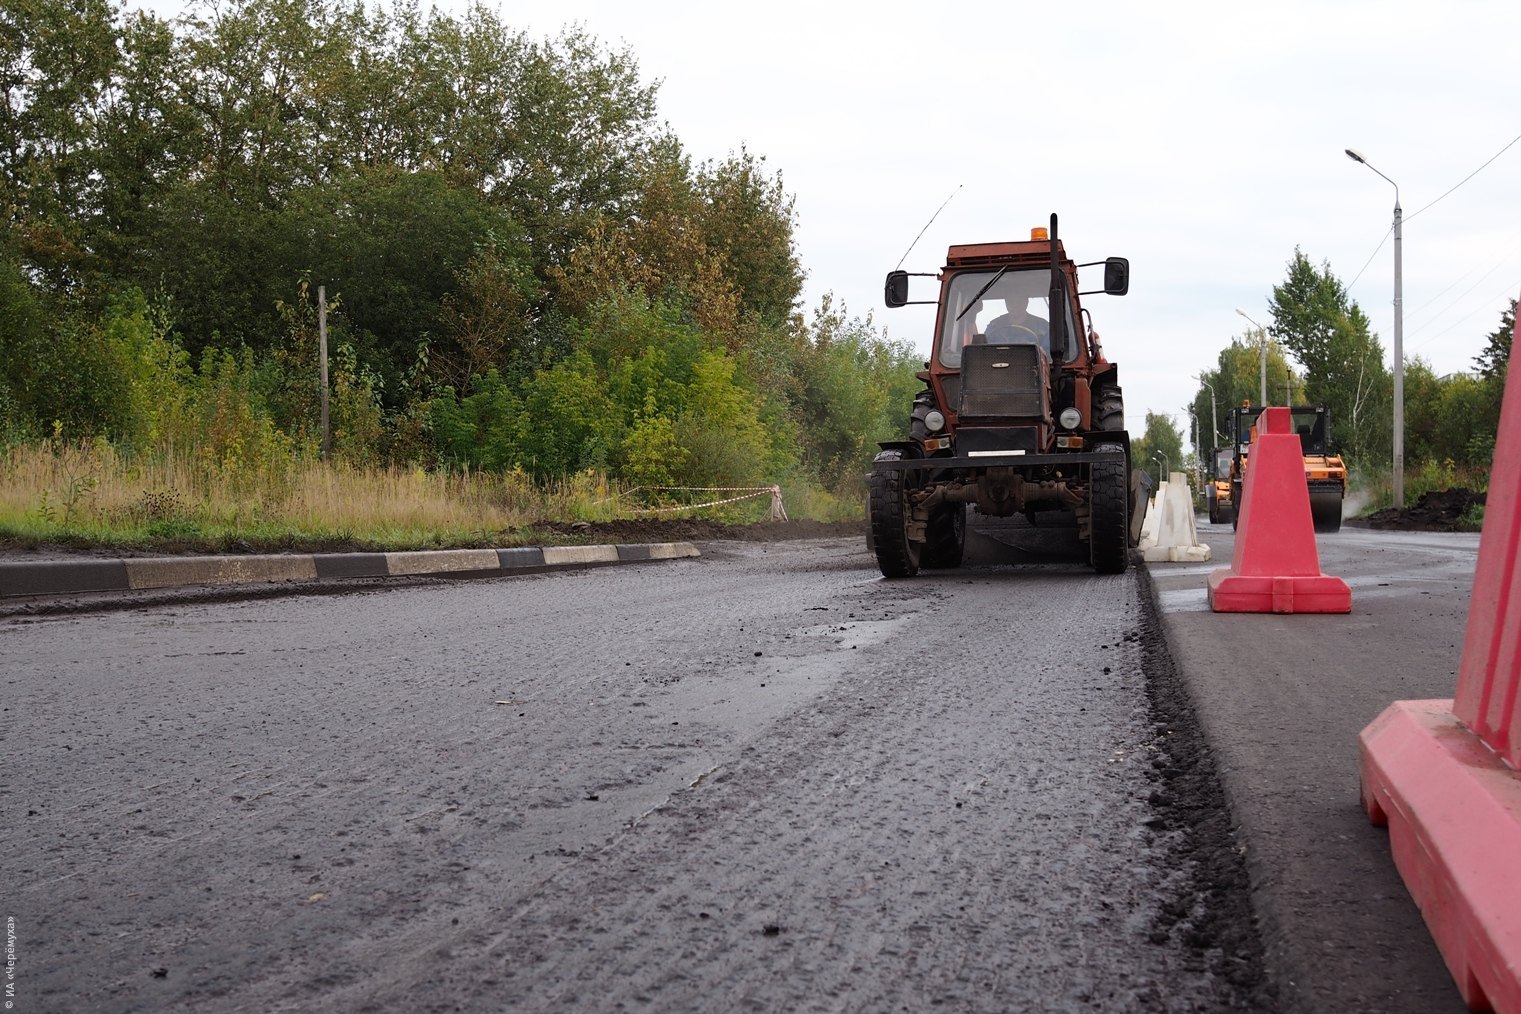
1002,382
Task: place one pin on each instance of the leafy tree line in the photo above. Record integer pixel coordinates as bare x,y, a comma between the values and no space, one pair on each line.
1450,421
523,268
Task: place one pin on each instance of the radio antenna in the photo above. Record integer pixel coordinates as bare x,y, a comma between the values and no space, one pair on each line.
926,227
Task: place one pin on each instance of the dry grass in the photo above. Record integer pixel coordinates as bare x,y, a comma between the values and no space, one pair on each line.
90,494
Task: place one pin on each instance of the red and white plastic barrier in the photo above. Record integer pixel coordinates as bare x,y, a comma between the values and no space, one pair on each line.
1445,775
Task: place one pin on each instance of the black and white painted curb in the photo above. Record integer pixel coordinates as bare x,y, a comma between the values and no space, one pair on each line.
67,577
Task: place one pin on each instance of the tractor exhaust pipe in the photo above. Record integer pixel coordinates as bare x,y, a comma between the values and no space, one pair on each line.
1058,323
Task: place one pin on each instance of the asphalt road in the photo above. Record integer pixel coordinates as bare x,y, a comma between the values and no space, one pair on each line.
764,779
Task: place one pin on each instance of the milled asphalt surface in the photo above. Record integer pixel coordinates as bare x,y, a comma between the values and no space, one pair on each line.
1279,701
764,778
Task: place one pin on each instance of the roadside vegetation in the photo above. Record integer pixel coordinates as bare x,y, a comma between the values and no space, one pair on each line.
537,303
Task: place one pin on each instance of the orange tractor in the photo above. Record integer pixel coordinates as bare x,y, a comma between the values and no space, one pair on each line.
1020,414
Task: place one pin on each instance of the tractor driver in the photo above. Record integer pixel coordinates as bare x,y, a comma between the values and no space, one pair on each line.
1008,325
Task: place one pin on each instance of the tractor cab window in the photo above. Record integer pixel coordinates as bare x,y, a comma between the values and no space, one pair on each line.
1310,426
1222,464
1014,310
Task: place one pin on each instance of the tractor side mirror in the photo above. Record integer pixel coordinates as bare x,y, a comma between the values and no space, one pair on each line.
895,292
1116,276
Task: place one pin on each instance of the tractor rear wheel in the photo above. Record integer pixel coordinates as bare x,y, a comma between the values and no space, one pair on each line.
946,537
888,516
1109,514
1235,506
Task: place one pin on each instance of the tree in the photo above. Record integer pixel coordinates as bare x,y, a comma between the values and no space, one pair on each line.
1160,441
1495,357
57,58
1343,360
748,223
1494,367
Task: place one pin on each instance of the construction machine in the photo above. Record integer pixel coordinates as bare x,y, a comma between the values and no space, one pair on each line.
1324,471
1021,413
1217,488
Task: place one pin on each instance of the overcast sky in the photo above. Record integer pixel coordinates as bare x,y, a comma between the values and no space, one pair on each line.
1203,141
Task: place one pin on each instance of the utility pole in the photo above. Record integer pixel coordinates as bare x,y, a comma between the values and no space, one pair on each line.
1397,480
322,357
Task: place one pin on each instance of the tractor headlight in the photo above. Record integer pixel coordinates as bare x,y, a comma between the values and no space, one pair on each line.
934,420
1070,418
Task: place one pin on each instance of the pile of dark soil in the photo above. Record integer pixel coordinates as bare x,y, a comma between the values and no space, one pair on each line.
1437,511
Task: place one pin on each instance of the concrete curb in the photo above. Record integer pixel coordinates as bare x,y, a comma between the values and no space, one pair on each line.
68,577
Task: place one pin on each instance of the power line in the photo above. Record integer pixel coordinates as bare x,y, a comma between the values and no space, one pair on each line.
1470,176
1369,260
1408,217
1489,306
1456,300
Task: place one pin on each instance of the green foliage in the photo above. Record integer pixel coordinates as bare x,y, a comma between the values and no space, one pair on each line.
721,430
524,271
1495,357
480,431
854,388
1343,360
1161,442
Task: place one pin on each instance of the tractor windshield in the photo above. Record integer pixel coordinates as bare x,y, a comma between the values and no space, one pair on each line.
1014,310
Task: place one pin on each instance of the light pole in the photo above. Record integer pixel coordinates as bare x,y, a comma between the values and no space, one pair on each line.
1193,423
1399,338
1262,329
1162,459
1214,413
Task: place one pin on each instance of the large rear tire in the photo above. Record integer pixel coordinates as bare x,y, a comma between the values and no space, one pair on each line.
1109,514
888,516
1235,506
945,544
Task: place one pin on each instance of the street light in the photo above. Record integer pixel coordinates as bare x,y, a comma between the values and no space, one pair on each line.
1399,339
1264,353
1214,413
1162,459
1193,422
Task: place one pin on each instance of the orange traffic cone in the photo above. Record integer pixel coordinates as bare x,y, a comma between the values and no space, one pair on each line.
1275,567
1443,774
